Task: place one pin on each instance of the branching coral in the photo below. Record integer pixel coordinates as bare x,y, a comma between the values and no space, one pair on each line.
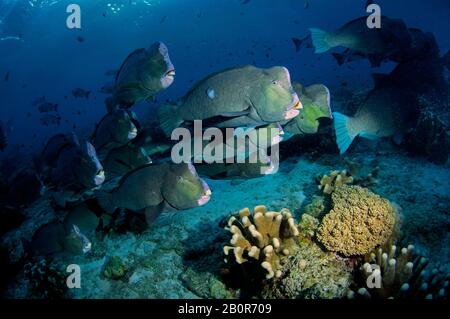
328,183
263,237
46,280
393,273
358,222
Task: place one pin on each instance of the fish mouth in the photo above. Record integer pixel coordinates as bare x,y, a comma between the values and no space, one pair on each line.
168,78
293,108
206,196
280,136
133,133
203,200
170,73
99,178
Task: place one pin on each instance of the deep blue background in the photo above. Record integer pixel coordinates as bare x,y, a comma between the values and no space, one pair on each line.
203,36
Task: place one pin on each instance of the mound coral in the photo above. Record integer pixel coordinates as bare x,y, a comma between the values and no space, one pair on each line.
328,183
389,273
262,237
311,273
358,222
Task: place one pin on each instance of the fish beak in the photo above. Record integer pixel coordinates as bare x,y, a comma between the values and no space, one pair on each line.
298,105
99,178
206,196
171,73
294,108
133,133
168,78
279,137
291,114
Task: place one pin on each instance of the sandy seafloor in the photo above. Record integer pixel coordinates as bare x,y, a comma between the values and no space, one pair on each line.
178,256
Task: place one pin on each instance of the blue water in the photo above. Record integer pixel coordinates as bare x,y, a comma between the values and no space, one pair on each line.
203,36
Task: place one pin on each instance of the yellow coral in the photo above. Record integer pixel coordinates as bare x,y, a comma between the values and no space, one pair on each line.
262,236
359,221
328,183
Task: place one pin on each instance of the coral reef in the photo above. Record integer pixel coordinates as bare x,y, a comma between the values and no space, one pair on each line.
328,183
311,273
358,222
429,138
316,207
308,225
114,268
363,176
263,237
46,280
394,273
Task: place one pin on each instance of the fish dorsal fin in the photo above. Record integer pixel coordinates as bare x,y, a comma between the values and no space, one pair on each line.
130,56
320,96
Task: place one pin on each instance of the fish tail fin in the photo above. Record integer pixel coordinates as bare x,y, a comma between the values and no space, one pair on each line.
320,40
105,200
169,118
344,137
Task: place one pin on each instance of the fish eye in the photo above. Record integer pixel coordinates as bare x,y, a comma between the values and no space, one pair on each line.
275,82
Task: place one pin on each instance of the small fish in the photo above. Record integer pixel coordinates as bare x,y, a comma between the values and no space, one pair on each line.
245,2
48,119
80,93
7,76
211,93
162,19
80,39
47,107
306,5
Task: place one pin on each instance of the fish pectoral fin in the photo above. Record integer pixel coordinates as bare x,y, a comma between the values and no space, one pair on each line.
152,212
235,114
240,121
